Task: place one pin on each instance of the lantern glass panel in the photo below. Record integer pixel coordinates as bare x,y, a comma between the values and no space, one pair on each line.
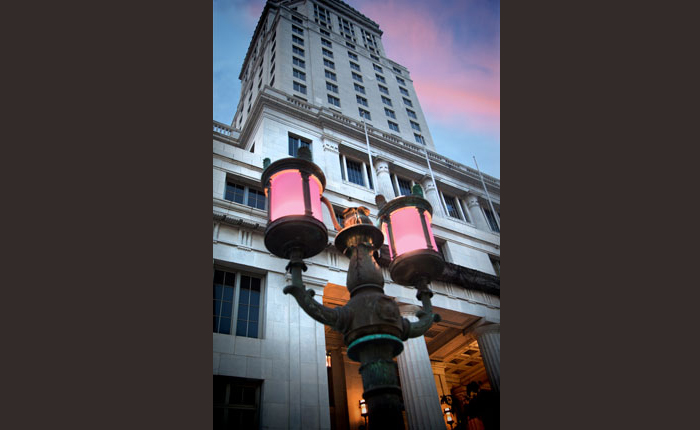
408,232
288,197
387,241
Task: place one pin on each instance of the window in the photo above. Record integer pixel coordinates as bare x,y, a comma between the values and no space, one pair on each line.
394,126
419,138
355,172
327,53
297,50
327,43
324,32
491,220
244,195
359,88
272,59
361,100
407,102
415,126
400,81
329,64
378,68
333,100
297,39
365,114
299,62
295,142
236,403
403,91
299,87
354,66
374,57
386,100
402,187
331,87
390,113
351,46
331,75
297,30
380,78
299,74
397,70
297,19
383,89
411,114
352,55
451,206
237,297
356,77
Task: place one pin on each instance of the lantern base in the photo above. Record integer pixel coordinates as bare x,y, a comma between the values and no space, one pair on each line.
408,268
301,232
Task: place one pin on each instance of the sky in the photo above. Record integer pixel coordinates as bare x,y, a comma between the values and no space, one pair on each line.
451,48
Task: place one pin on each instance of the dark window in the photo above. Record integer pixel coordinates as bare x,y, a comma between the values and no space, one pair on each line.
378,68
365,114
415,126
386,101
393,126
256,199
419,138
354,66
331,87
299,62
400,80
244,195
236,403
297,39
407,102
296,19
351,55
404,186
350,45
234,192
403,91
374,57
333,100
380,78
243,291
324,32
359,88
411,114
297,30
361,100
397,70
327,53
299,74
383,89
390,113
297,50
299,87
295,143
355,172
331,75
329,64
356,77
327,43
492,220
451,206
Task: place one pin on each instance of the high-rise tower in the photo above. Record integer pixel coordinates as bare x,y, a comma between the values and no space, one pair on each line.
314,72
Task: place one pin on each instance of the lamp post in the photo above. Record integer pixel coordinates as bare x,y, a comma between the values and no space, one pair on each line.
372,327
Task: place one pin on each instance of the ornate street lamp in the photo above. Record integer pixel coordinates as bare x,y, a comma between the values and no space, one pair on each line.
363,410
372,327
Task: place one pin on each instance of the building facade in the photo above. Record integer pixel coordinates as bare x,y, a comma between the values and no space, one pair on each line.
316,75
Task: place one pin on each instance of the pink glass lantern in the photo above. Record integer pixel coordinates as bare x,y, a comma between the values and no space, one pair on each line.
405,222
294,187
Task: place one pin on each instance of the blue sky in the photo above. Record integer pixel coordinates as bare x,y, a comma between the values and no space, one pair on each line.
451,48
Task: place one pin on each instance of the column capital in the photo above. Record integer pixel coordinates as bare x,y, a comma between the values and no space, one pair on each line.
487,328
381,165
472,200
427,183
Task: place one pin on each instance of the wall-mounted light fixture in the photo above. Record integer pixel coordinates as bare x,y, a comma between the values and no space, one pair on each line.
328,359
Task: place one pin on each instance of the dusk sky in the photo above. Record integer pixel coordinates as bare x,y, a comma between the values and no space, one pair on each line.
451,48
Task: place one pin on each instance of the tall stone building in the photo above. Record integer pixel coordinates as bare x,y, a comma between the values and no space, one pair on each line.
316,74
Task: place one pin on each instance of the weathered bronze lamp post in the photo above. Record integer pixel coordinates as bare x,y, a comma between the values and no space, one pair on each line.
372,327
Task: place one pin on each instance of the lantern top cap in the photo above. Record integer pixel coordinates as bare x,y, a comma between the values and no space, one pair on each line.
405,201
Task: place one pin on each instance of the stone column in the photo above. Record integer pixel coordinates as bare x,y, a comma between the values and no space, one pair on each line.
477,215
431,194
420,395
383,185
489,339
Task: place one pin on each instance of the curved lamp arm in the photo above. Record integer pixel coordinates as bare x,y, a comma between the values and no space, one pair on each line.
425,315
334,317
